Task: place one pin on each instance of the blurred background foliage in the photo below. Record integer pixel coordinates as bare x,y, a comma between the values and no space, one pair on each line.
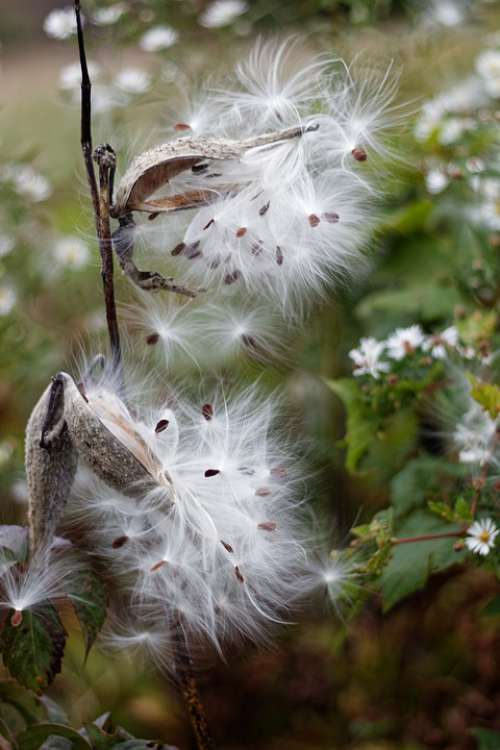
426,673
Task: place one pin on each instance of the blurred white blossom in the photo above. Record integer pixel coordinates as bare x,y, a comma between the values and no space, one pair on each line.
110,15
436,181
367,358
158,38
71,252
222,13
60,23
8,298
70,77
488,67
7,244
404,341
133,80
27,181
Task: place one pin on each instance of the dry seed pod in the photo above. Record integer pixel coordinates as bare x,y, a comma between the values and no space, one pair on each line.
51,462
106,440
153,169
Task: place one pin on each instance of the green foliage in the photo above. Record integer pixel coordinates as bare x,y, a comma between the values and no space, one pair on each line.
486,739
32,650
89,596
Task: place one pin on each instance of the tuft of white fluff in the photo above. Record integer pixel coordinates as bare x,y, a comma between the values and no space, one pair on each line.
288,218
227,558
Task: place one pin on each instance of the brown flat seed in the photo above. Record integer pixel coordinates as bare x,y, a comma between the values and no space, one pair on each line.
162,425
331,217
359,154
241,232
119,541
249,341
208,411
209,224
267,526
230,278
212,472
279,256
178,249
313,220
227,546
192,251
263,492
158,565
152,339
182,126
153,216
16,618
238,575
264,209
278,472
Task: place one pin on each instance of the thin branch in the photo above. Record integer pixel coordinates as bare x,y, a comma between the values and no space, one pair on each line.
102,197
430,537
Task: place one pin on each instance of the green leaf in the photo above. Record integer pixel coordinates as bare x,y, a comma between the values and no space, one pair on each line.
412,563
27,704
33,737
487,395
492,609
361,428
32,651
407,219
486,738
414,484
13,546
462,509
89,596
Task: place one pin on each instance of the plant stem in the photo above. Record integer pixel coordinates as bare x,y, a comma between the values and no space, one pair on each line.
189,688
430,537
101,197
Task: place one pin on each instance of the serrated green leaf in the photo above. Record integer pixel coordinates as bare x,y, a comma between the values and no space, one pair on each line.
411,487
89,597
412,563
32,651
462,509
442,510
33,737
486,738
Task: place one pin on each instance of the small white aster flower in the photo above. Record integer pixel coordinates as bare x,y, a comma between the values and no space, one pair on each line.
439,344
222,13
71,252
133,80
28,182
158,38
110,15
6,451
447,13
7,243
436,181
70,77
60,23
488,67
481,536
8,298
367,358
404,341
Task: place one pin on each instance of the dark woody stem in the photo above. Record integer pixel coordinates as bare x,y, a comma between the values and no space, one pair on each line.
102,199
430,537
188,686
101,195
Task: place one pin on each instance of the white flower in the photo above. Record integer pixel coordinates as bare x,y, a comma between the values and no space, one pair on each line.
133,80
158,38
453,128
222,13
367,358
488,67
475,436
436,181
70,77
6,451
404,341
28,182
60,23
109,15
8,298
438,344
7,243
481,536
71,252
446,13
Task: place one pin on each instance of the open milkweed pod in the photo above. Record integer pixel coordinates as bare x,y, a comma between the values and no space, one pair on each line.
108,440
153,169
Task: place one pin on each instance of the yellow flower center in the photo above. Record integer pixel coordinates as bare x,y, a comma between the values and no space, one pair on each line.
484,536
